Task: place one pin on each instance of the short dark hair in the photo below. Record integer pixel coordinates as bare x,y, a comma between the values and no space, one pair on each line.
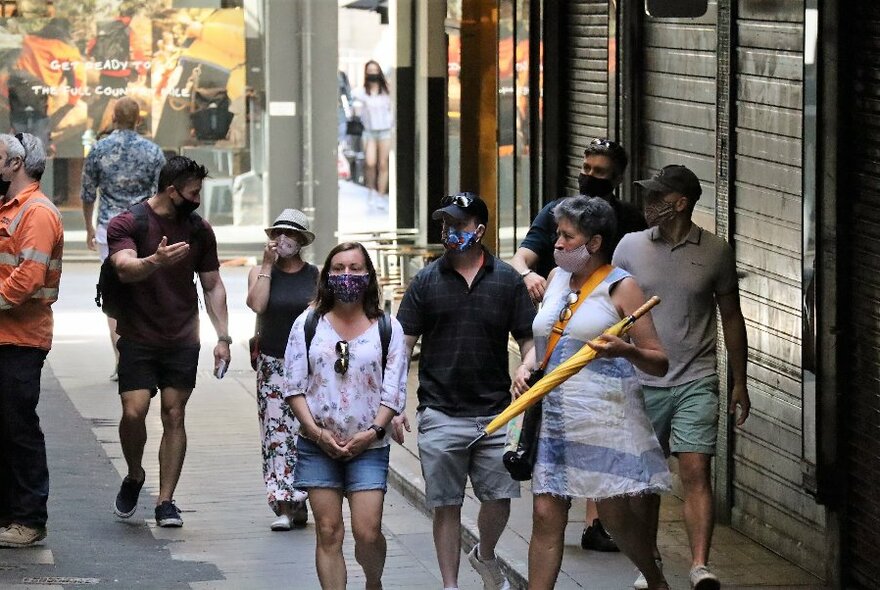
592,216
613,150
180,170
325,300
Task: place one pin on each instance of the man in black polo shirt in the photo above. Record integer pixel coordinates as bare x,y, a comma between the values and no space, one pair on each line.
464,306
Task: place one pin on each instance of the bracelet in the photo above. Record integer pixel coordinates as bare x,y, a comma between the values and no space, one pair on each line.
263,275
226,339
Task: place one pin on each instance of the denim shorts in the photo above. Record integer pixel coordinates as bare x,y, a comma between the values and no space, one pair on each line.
447,462
685,417
376,134
315,469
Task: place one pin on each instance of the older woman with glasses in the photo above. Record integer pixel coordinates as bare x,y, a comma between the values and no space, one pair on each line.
345,371
595,440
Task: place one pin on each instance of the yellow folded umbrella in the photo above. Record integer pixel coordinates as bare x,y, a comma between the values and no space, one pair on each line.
562,372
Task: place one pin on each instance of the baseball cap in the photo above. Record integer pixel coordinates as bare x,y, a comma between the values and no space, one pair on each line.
462,206
674,178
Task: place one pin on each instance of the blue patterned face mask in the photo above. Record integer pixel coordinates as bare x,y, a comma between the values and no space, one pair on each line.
460,241
348,288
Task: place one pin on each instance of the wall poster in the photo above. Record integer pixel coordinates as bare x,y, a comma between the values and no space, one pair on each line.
62,68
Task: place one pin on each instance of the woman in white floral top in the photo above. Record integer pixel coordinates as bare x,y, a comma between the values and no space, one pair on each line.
344,404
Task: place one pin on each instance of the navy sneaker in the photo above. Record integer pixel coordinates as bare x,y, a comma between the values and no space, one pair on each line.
168,515
127,498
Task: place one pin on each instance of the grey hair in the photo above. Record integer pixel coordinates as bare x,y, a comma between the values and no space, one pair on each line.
30,149
592,216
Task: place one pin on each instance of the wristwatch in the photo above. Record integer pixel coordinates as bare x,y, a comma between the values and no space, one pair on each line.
526,273
226,339
380,432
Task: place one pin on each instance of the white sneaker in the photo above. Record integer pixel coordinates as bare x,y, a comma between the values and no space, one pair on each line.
489,570
282,523
641,583
703,579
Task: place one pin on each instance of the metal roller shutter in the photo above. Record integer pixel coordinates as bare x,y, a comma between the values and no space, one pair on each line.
861,222
677,100
587,32
769,502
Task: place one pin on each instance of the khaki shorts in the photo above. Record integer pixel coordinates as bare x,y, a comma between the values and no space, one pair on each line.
447,462
685,417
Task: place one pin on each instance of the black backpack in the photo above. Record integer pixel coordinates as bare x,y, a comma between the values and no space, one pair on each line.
111,293
210,116
311,325
26,105
113,42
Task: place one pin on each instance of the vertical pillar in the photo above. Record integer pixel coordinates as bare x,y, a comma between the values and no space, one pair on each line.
301,66
321,63
831,385
283,107
725,175
402,14
430,113
479,106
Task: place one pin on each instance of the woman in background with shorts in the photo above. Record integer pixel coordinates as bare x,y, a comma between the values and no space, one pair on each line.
377,115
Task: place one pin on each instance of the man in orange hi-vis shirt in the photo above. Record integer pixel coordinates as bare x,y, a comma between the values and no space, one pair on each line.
31,242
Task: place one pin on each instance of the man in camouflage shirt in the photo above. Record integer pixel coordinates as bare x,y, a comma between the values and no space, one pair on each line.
124,169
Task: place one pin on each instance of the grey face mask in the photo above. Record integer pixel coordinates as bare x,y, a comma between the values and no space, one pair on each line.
572,260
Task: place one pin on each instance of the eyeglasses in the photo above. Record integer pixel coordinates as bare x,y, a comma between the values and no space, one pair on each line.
463,200
565,313
341,365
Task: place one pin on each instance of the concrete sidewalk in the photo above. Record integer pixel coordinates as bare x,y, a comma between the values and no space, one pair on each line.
740,563
226,542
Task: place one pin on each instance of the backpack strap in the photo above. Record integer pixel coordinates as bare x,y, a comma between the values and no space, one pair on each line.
309,328
385,337
141,222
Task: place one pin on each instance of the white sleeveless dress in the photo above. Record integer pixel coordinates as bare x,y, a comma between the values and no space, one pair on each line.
596,440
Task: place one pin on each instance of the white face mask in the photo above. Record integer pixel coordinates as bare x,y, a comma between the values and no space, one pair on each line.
572,260
286,246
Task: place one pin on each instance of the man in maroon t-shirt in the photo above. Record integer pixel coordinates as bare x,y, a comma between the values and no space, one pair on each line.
159,328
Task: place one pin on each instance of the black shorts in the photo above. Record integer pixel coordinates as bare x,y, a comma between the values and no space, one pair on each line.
142,366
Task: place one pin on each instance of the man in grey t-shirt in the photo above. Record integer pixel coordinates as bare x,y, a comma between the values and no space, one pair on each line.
692,271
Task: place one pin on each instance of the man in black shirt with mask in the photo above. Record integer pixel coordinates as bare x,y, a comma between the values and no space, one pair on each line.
158,247
604,164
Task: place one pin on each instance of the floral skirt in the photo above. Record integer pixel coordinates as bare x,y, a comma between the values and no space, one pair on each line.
278,428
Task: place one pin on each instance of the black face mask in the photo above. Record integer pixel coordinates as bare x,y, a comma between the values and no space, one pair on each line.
4,187
594,187
185,207
373,78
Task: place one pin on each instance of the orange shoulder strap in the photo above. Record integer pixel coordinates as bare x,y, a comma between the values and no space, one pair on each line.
588,287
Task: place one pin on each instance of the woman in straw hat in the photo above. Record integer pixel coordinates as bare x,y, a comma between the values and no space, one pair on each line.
278,291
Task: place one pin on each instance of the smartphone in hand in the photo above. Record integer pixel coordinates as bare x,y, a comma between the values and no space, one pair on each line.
220,370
